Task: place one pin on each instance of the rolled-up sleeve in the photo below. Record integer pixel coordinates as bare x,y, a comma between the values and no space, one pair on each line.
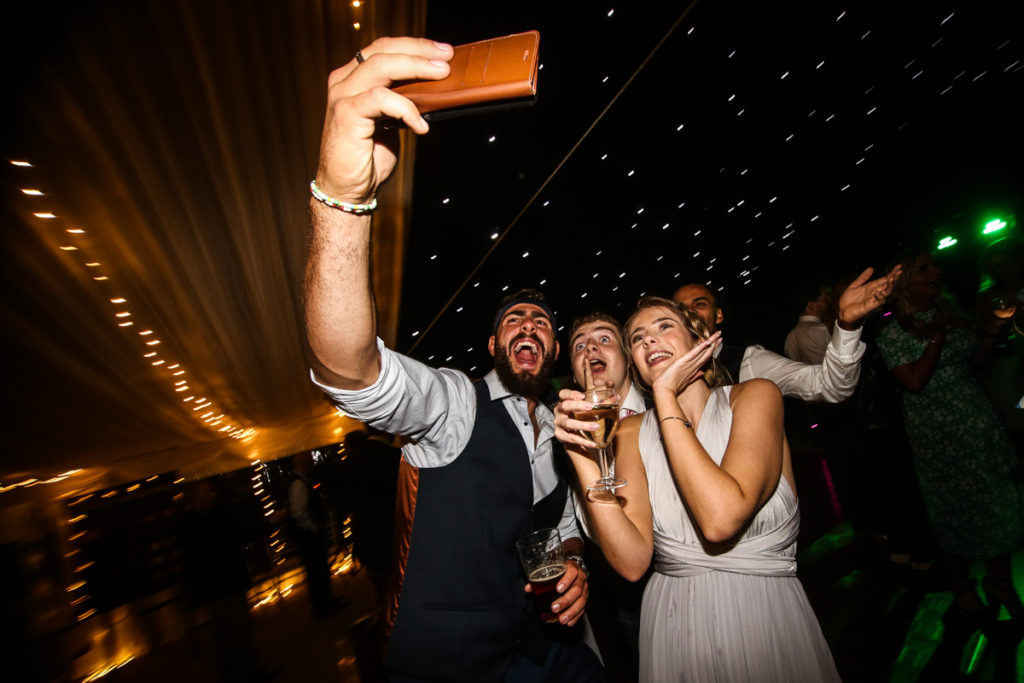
433,408
833,381
567,527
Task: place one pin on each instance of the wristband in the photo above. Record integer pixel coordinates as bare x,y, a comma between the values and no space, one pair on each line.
357,209
689,425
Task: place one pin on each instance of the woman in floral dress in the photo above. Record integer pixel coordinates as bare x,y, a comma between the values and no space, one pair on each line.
968,471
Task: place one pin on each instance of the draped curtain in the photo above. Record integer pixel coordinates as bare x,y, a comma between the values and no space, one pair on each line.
173,144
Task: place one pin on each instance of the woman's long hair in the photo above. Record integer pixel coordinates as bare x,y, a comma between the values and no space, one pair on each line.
715,374
905,313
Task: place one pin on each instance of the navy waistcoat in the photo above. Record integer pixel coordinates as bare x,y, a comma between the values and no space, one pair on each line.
462,613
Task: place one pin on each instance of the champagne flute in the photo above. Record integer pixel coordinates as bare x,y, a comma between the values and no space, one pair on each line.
606,414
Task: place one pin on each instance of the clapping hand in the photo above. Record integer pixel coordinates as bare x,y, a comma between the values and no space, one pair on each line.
862,297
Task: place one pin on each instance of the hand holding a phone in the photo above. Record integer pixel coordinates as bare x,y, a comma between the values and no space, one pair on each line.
354,162
356,157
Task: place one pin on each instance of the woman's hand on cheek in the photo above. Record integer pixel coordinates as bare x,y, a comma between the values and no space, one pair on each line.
686,369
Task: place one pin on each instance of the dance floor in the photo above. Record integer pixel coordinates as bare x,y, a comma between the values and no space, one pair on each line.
882,626
881,623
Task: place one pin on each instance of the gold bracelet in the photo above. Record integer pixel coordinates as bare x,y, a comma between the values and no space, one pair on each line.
686,422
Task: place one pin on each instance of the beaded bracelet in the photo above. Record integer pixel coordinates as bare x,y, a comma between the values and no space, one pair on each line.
358,209
689,425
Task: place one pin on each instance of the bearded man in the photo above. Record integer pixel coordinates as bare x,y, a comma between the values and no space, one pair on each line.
482,455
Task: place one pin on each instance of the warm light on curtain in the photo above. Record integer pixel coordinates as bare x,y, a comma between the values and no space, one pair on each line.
173,146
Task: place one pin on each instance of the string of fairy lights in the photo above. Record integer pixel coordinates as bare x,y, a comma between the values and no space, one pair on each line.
199,406
178,384
73,241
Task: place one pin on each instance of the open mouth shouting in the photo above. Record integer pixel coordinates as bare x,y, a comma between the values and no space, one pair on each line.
528,352
597,369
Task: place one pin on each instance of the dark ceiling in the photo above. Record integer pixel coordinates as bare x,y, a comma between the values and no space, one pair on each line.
749,145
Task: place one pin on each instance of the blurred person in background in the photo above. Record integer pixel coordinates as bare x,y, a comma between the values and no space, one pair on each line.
217,579
307,522
807,341
1001,269
968,472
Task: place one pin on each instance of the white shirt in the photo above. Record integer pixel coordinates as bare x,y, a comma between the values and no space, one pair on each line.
634,401
833,380
807,341
436,410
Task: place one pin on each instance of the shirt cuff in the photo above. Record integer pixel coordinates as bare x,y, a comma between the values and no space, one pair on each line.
846,342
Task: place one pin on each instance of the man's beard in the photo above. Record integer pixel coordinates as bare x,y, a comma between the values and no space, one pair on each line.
524,384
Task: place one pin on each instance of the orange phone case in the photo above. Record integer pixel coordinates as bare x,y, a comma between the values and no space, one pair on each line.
488,72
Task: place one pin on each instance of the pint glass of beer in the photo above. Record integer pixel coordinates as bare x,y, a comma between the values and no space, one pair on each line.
544,561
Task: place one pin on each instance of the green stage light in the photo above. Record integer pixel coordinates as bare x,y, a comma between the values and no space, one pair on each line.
947,242
994,225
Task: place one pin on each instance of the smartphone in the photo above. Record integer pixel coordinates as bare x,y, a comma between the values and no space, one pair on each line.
488,75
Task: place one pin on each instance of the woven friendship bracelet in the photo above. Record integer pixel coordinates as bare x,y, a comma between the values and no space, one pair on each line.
358,209
686,422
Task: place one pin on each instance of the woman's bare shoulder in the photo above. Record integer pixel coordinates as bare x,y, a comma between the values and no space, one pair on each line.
755,390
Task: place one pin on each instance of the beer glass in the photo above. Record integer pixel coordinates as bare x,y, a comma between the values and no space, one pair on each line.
543,560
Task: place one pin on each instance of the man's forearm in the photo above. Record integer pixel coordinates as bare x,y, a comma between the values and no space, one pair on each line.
339,307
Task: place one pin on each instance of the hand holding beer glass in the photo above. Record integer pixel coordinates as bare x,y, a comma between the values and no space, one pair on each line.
543,559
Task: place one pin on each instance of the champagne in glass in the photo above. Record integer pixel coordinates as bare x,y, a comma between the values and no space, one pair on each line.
606,414
607,418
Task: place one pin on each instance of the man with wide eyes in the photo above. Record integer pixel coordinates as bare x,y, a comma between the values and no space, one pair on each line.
833,380
599,358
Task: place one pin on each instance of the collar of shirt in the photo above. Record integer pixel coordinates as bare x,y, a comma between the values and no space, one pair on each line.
517,408
542,464
634,401
810,319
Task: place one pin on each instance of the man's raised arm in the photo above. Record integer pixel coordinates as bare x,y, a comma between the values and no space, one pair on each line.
355,160
835,379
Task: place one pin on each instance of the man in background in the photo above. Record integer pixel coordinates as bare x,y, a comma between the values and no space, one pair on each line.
835,378
807,341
